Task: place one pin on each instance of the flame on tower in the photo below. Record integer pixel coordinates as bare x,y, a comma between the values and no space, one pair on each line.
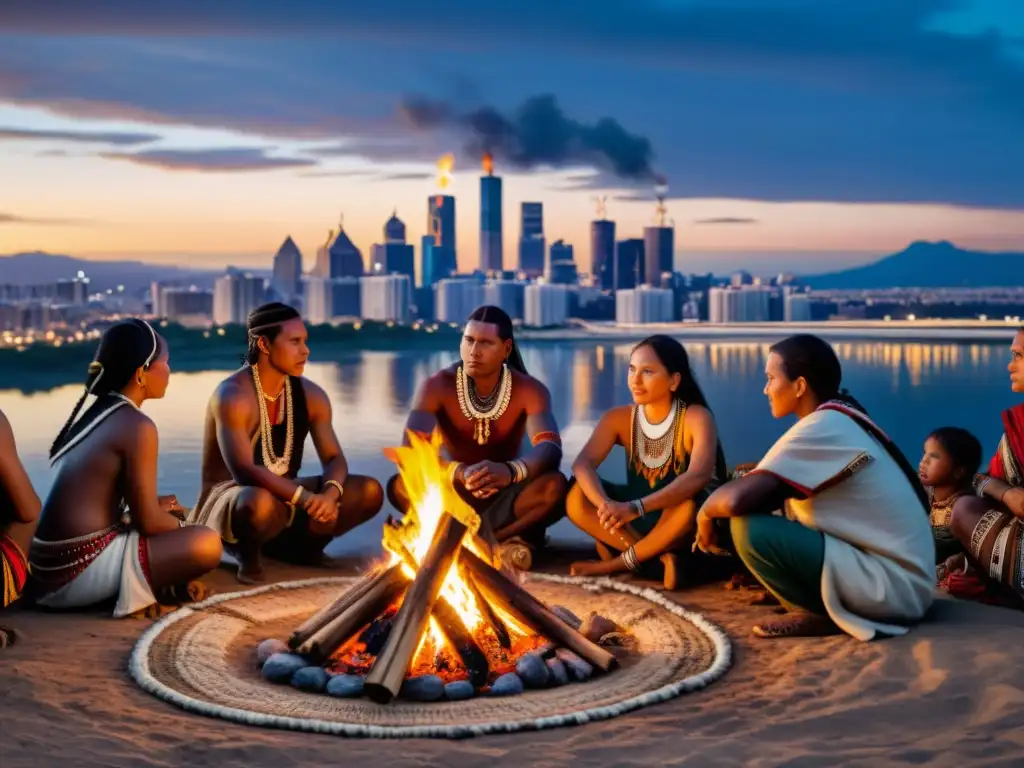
660,191
488,163
444,170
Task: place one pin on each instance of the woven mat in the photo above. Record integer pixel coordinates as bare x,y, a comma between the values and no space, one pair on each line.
202,659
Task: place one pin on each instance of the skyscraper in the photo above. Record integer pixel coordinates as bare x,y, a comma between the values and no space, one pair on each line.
602,254
394,256
561,266
437,257
287,270
531,239
629,256
490,219
339,257
659,254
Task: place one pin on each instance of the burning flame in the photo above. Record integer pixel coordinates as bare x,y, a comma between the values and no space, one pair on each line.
488,163
431,495
444,170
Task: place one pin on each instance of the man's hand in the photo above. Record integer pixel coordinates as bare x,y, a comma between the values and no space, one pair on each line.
615,514
706,539
170,505
485,479
321,507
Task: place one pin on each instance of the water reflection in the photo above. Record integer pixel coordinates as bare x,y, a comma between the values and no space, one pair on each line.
909,388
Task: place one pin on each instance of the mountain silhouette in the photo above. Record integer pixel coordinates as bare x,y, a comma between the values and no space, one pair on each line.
928,265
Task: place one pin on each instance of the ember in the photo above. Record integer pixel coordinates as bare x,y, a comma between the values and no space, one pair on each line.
439,608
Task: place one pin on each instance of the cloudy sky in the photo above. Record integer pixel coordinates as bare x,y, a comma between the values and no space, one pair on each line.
802,134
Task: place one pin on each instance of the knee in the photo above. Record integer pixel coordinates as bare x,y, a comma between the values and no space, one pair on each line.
746,532
576,504
256,507
396,493
368,495
967,510
206,548
551,489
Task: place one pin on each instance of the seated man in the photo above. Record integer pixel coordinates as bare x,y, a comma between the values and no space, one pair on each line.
256,425
19,513
483,407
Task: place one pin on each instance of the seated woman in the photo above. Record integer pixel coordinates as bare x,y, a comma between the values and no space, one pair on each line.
673,459
104,531
951,459
990,524
19,511
854,551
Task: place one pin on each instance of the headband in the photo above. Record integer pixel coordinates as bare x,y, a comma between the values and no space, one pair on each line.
156,346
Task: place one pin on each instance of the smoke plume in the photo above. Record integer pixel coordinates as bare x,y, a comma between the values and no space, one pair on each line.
537,133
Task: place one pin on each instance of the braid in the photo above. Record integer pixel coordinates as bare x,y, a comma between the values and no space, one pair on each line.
59,441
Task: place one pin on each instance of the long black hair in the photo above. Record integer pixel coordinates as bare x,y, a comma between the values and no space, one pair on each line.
673,356
124,348
813,358
266,320
497,317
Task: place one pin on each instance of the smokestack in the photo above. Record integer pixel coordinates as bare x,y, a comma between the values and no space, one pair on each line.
488,164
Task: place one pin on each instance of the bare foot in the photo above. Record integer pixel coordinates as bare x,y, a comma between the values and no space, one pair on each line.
592,568
797,625
671,571
604,551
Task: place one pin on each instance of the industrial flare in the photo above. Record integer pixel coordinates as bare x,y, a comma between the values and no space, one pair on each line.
444,170
488,163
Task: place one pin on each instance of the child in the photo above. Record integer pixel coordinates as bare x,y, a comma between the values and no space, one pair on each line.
951,458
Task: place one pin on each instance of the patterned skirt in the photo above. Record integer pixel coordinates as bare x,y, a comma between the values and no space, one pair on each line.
14,567
997,545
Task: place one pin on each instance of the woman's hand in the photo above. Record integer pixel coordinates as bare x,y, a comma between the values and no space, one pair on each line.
706,540
170,505
615,514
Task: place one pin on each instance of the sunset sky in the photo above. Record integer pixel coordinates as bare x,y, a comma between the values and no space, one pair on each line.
794,134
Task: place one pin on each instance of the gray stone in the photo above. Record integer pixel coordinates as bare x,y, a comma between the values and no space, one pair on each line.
268,648
423,688
547,650
567,616
595,627
459,690
533,671
508,684
313,679
558,674
578,668
345,686
280,667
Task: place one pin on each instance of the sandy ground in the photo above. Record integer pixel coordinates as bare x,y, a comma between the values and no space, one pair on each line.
950,693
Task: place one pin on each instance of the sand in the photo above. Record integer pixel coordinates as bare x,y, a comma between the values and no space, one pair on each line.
949,693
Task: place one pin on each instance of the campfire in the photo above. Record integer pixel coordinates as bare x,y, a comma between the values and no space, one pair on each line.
440,607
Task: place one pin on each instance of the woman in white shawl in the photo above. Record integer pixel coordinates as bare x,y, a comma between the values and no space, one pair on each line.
853,550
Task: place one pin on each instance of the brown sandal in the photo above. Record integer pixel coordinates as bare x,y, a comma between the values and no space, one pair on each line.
797,625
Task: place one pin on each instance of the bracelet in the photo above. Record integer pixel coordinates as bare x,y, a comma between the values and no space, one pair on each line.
336,484
981,483
297,495
638,505
518,469
629,559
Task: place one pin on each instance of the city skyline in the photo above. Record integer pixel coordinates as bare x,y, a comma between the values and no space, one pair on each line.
210,142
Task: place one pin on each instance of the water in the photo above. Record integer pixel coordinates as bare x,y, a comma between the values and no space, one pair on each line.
909,388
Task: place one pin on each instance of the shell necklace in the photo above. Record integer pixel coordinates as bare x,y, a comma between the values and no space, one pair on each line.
654,442
276,464
483,410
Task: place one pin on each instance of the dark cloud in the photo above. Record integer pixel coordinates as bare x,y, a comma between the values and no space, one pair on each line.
231,160
117,138
11,218
726,220
537,134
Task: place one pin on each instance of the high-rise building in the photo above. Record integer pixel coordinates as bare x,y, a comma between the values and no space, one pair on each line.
339,257
531,239
545,305
235,295
561,267
329,298
455,300
287,271
659,254
188,306
393,256
386,297
602,254
507,295
644,304
739,304
797,308
441,221
629,256
490,219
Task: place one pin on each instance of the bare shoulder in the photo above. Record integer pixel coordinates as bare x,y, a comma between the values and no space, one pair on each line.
618,416
534,389
230,394
135,426
698,417
314,392
440,382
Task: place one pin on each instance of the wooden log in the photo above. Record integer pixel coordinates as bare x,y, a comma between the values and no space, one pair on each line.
493,620
336,607
525,607
391,665
365,609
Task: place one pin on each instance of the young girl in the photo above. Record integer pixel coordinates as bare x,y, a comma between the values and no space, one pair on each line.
951,458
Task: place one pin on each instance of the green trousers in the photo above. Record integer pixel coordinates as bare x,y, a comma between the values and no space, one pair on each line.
785,556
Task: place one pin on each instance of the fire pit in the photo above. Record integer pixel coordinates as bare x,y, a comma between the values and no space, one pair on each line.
438,619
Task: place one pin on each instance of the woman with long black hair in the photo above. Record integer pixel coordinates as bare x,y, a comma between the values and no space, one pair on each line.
104,532
674,459
854,550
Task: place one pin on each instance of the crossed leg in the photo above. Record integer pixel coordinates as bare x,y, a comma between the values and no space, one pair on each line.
21,534
990,536
667,534
259,521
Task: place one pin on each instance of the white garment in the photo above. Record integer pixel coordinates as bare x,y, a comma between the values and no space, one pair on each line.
117,570
879,567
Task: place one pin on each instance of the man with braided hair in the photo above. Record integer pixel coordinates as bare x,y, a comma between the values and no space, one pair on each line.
484,406
256,425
